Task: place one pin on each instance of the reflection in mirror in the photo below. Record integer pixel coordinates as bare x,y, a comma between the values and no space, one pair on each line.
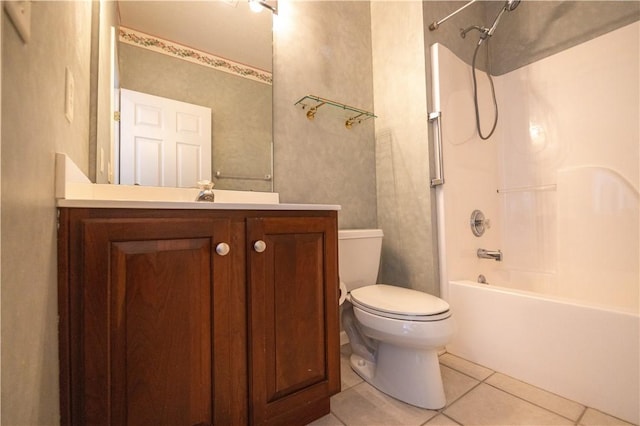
215,54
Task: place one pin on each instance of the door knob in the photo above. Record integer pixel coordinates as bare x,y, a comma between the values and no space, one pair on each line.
223,249
259,246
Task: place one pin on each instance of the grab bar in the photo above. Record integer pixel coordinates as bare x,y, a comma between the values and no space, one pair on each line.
219,175
437,144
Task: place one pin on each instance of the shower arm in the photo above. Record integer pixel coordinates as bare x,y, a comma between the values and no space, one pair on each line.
483,30
434,25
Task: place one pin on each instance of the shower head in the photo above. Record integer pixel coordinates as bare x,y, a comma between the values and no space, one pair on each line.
509,6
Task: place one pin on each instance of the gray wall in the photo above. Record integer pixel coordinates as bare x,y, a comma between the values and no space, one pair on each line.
34,128
324,49
240,109
404,197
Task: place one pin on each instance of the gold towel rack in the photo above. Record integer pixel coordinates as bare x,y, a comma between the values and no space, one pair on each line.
349,114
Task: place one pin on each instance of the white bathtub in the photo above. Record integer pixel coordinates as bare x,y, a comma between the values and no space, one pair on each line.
587,354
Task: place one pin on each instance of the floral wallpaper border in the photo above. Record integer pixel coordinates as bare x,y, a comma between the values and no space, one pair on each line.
140,39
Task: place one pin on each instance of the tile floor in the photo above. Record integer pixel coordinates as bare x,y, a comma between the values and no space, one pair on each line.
475,396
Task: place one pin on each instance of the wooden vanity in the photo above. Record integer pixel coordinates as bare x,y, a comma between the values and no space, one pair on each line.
181,316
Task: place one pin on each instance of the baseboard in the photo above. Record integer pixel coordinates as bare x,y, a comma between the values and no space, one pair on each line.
344,339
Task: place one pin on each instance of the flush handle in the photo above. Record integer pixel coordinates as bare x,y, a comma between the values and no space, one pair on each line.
259,246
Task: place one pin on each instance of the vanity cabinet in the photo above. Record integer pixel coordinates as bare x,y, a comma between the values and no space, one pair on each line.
197,317
294,344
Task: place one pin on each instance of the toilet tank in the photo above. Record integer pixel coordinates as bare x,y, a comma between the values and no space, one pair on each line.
359,256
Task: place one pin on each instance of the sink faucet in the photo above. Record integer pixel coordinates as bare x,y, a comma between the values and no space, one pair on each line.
206,191
490,254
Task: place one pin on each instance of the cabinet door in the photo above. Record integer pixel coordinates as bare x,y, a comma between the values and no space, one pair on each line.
294,332
154,322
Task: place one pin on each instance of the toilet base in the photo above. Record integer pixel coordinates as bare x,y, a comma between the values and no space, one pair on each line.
408,374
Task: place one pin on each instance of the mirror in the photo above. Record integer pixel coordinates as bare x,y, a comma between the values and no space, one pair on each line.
216,54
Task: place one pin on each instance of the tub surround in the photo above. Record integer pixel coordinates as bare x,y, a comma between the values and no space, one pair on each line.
581,352
564,199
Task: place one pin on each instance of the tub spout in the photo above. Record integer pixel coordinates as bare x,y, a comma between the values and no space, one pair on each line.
490,254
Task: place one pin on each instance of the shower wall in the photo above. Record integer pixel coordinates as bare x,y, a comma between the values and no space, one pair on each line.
568,192
559,180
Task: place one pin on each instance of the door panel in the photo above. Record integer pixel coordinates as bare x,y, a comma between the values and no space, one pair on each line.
293,285
298,293
181,132
161,330
188,161
152,313
148,161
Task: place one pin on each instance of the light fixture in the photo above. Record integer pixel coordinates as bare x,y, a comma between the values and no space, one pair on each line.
255,6
258,5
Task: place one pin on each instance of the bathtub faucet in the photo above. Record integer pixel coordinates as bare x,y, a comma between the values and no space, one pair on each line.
490,254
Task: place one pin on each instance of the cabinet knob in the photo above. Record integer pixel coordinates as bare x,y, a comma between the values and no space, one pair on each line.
223,249
259,246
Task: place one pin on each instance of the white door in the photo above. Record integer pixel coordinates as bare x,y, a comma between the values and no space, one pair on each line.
163,142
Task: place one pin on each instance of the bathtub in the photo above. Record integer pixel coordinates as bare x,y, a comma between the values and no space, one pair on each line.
587,354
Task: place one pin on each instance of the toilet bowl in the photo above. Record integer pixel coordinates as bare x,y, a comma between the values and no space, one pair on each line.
394,332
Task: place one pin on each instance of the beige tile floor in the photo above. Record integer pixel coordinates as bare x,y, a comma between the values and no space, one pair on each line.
475,396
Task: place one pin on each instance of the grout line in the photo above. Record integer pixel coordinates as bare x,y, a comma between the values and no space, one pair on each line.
517,396
581,415
351,386
452,419
469,375
484,381
522,398
337,417
575,422
477,384
533,403
460,397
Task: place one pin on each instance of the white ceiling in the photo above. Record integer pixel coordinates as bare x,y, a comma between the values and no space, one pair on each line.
220,27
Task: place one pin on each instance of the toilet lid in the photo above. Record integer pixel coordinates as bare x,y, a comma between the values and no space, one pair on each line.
398,301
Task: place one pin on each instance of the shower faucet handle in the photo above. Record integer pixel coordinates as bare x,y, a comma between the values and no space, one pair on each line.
479,223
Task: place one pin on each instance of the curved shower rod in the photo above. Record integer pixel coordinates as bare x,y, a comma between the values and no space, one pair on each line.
509,5
435,24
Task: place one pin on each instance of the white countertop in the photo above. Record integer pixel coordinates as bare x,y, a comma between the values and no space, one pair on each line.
189,205
74,190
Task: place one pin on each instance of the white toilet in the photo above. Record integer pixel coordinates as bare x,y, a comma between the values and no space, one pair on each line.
394,332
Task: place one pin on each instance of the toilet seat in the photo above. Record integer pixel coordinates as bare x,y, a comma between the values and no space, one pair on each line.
399,303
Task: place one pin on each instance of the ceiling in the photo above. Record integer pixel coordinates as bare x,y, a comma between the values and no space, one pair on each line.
226,28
